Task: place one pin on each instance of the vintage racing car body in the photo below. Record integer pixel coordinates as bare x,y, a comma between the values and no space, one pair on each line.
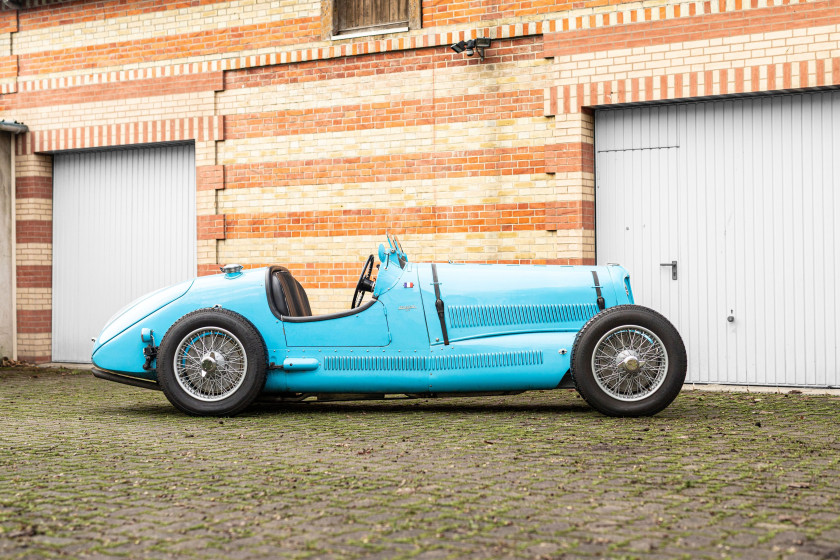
429,330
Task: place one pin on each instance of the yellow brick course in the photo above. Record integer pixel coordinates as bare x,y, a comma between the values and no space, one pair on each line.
740,51
129,110
33,209
34,344
34,298
440,84
393,194
515,245
161,23
34,254
33,165
485,134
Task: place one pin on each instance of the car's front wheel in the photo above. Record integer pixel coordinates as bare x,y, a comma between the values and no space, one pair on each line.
212,362
629,361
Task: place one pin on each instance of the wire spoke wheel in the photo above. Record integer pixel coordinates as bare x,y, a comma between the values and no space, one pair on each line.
628,360
210,364
629,363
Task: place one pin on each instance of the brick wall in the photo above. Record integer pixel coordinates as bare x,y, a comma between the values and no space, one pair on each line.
308,150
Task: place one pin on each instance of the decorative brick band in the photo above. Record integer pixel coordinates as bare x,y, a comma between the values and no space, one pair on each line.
211,227
33,231
576,19
34,276
33,187
172,85
404,167
665,86
34,320
209,177
570,157
200,129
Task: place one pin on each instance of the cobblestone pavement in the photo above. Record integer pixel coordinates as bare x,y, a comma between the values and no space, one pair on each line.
95,469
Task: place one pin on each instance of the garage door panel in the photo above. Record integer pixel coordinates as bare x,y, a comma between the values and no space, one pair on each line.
124,225
757,187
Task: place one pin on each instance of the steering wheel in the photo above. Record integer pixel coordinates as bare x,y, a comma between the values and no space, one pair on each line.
365,284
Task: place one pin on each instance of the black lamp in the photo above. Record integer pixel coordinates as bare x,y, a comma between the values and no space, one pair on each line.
469,47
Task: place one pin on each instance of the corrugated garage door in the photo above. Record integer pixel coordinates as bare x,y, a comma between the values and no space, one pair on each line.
123,225
744,195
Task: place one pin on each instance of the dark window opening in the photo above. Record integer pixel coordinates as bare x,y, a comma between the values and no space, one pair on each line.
365,16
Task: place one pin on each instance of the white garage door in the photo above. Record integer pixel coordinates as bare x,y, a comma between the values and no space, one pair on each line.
743,196
123,225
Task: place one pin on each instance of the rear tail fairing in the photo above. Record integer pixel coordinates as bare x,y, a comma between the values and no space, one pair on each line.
120,347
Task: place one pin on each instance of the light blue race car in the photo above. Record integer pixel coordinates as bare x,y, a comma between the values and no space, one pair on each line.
429,330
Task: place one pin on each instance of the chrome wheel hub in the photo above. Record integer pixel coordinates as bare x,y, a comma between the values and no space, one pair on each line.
629,363
210,364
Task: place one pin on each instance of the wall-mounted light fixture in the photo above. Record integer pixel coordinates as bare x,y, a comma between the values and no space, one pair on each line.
469,47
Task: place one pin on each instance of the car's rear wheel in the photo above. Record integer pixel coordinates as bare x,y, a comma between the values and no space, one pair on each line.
212,362
629,361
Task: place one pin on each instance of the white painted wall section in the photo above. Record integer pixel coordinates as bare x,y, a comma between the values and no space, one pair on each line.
7,274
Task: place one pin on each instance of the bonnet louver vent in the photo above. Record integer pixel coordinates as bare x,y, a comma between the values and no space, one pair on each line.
465,316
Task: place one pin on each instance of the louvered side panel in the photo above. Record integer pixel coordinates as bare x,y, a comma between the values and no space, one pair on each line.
472,316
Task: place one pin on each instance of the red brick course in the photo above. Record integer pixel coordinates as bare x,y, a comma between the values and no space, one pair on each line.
468,11
34,276
34,321
211,227
33,187
393,62
439,165
153,87
33,231
8,66
572,214
209,177
8,21
412,221
332,275
168,47
570,157
761,20
69,13
415,112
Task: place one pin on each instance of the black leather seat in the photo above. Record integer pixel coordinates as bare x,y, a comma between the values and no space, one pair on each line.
288,295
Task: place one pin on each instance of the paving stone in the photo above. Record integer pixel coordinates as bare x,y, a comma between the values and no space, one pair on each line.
90,469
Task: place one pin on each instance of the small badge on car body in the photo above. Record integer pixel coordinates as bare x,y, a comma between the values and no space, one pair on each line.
408,284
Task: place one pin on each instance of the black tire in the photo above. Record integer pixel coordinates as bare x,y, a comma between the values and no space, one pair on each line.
624,383
232,354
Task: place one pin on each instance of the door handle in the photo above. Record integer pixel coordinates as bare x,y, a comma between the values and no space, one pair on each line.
673,265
